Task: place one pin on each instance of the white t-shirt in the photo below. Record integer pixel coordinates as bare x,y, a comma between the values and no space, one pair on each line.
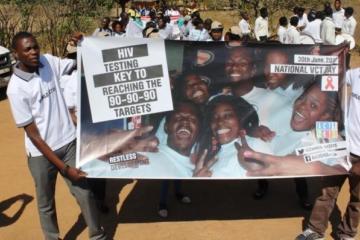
69,84
244,27
212,40
198,35
292,35
165,164
188,27
327,31
164,34
269,106
313,29
228,166
353,120
349,26
282,34
119,35
261,27
338,17
38,98
303,21
286,139
289,92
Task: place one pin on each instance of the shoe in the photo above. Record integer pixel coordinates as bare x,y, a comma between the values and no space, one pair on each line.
305,204
163,213
183,199
309,234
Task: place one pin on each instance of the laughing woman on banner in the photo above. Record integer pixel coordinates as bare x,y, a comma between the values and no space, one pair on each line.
226,119
312,106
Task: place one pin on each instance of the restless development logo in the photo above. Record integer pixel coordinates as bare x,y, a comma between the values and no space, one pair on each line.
128,160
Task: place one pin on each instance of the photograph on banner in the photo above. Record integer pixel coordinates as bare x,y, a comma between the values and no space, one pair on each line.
160,109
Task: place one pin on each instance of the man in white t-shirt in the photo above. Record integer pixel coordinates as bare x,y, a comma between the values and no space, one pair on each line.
349,24
245,25
261,28
325,203
338,15
283,23
303,18
292,34
198,33
38,106
327,32
216,32
104,29
314,26
173,158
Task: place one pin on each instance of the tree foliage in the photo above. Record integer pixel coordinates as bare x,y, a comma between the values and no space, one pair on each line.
52,21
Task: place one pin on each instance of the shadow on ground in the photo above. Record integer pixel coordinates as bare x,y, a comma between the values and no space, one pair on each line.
211,200
7,219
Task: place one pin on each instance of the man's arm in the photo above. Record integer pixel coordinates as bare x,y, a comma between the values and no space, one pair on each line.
35,137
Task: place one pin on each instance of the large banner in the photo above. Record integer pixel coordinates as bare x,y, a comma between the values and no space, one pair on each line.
151,108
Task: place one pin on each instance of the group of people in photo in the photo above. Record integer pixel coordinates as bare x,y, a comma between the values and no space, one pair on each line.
233,116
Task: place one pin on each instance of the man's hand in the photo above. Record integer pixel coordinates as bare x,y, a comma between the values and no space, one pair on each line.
149,144
75,174
248,164
117,142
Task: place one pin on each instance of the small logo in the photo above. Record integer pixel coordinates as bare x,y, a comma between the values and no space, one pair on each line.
330,83
326,130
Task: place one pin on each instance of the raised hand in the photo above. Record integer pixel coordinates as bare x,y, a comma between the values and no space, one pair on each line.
149,144
118,141
202,169
249,164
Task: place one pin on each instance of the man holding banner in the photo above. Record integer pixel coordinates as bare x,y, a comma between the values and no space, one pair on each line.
324,204
38,106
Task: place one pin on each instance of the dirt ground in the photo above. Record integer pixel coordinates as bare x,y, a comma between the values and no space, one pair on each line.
219,209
